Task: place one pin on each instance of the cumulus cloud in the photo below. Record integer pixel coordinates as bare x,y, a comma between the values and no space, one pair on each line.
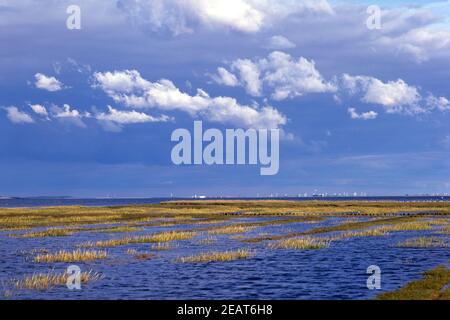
284,75
224,77
68,115
291,77
280,43
249,74
68,112
47,83
395,96
439,103
39,109
370,115
414,33
128,117
129,88
248,16
17,116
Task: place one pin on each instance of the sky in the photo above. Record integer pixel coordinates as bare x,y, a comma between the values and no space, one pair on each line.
89,112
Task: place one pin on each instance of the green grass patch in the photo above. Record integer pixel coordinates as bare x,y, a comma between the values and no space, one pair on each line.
431,287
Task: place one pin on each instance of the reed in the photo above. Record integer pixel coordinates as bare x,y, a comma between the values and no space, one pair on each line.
378,232
305,243
352,226
120,229
182,212
218,256
439,221
53,232
424,242
74,256
161,246
445,230
409,226
232,229
433,286
207,240
45,281
153,238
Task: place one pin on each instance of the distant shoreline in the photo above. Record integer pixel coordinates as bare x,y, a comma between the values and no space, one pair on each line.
112,202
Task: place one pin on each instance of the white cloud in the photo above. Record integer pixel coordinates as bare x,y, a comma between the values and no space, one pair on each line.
39,109
285,76
394,96
224,77
129,88
280,43
249,74
128,117
68,115
419,43
248,16
17,116
290,78
68,112
47,83
370,115
391,94
440,103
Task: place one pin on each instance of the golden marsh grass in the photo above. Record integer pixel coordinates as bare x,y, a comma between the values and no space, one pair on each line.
52,232
378,232
424,242
182,212
232,229
345,226
305,243
120,229
433,286
45,281
444,230
207,240
217,256
160,246
74,256
152,238
408,226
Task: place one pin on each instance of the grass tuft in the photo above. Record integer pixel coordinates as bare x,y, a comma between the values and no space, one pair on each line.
407,226
120,229
433,286
152,238
233,229
378,232
305,243
207,240
161,246
42,281
424,242
74,256
53,232
218,256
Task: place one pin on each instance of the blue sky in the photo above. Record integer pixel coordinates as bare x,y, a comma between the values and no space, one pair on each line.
86,113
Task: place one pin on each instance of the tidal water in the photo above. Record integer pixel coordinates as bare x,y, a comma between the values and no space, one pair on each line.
337,272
